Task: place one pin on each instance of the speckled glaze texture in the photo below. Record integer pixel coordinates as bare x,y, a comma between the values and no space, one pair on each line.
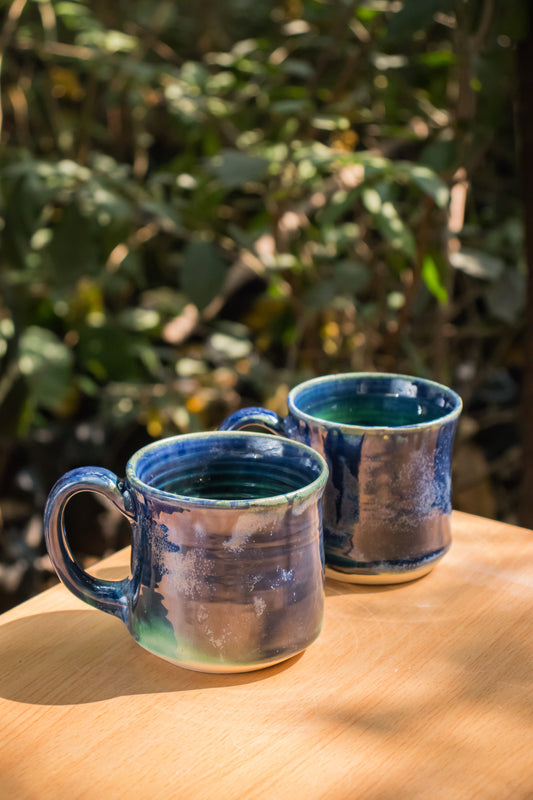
227,569
388,443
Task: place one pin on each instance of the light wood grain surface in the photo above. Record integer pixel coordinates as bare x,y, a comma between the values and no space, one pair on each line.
423,690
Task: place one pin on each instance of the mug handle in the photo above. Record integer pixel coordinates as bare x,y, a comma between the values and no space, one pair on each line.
109,596
248,417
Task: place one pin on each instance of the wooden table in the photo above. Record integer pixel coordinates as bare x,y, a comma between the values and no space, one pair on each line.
423,690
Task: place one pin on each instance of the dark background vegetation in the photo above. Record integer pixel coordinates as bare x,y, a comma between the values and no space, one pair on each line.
202,204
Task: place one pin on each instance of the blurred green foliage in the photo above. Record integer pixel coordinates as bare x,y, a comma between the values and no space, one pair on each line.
203,203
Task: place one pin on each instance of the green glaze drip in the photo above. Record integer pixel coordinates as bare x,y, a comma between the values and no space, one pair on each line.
156,638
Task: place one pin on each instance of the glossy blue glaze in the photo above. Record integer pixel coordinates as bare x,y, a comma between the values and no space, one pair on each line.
388,443
227,563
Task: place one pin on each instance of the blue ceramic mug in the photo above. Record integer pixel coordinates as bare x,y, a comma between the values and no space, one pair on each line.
227,563
388,442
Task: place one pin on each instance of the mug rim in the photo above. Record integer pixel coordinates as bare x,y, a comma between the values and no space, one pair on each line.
296,495
351,428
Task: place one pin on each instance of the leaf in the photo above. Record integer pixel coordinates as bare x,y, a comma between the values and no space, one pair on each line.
232,347
46,363
202,273
319,154
426,180
438,58
235,168
394,230
24,195
319,296
73,250
477,264
109,352
433,279
439,155
163,299
506,297
290,106
415,15
139,319
109,41
297,68
372,200
374,165
330,122
195,74
351,276
339,205
7,332
165,214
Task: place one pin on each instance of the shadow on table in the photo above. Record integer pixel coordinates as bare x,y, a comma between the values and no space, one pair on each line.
93,658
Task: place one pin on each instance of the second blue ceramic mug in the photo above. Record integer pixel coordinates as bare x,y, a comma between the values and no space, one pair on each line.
388,443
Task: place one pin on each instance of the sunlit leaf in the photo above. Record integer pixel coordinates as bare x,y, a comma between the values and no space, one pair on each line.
371,162
232,347
477,264
371,200
395,300
244,47
330,122
394,230
110,41
140,319
427,180
221,81
433,279
318,153
7,331
384,61
438,58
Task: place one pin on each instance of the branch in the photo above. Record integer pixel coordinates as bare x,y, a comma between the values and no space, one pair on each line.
480,35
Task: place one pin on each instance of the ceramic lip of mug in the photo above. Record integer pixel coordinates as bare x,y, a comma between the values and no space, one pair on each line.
227,562
387,439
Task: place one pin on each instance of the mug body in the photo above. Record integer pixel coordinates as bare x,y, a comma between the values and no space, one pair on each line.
227,556
388,443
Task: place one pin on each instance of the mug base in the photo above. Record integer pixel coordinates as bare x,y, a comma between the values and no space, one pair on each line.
380,578
222,669
233,669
